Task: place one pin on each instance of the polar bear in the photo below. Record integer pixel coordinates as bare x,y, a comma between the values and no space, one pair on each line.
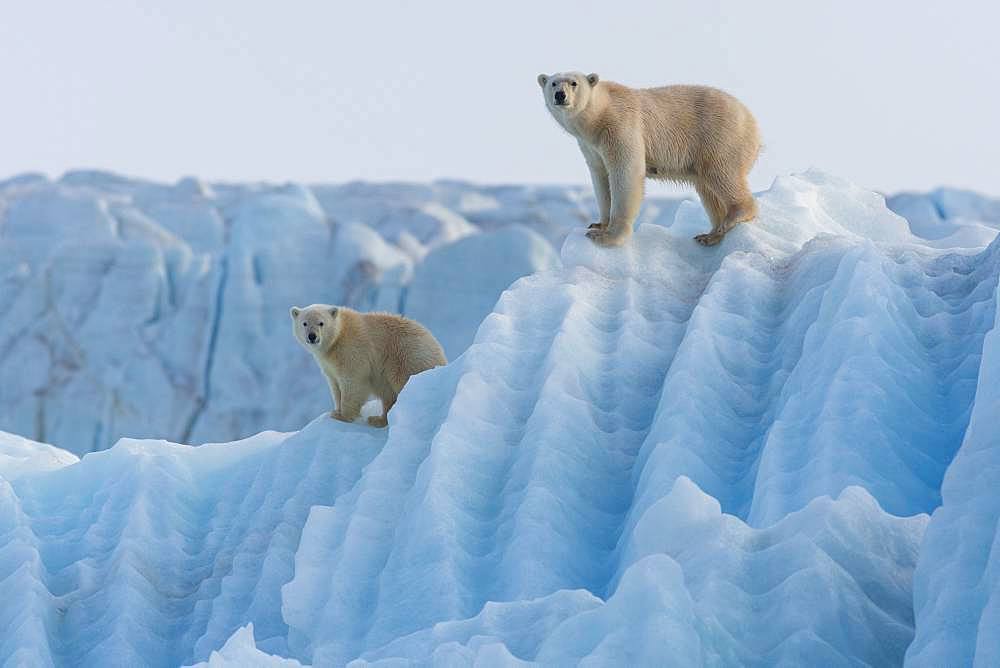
364,354
692,134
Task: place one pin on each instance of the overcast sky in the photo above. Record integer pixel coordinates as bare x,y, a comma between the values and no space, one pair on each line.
892,95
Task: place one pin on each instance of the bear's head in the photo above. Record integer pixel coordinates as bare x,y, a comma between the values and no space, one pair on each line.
567,92
317,326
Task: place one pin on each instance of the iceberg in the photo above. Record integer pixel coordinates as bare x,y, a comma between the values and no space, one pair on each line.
778,451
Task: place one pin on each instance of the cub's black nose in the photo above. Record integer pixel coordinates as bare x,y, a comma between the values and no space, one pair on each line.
312,337
560,96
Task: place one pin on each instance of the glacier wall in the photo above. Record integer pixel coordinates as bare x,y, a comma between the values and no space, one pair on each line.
654,454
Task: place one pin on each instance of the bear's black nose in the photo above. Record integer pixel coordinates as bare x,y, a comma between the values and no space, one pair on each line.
560,96
312,337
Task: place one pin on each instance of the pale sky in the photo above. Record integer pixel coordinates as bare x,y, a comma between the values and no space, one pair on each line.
891,95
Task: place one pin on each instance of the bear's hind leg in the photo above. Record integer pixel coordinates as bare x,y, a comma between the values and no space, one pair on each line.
733,204
387,403
742,211
716,210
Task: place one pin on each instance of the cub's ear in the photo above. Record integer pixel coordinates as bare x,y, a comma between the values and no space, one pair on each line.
543,79
593,79
333,311
294,312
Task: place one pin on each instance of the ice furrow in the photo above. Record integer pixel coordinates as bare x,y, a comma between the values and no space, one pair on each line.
150,576
957,582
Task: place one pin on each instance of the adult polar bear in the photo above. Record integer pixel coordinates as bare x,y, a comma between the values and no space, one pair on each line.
694,134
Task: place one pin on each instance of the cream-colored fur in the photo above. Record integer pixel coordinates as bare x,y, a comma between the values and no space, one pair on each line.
693,134
365,354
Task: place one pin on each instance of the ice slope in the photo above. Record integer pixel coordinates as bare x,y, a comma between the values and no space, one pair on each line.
456,285
702,588
660,454
150,553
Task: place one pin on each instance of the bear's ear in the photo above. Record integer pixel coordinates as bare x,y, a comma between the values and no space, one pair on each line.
543,79
294,312
592,79
333,311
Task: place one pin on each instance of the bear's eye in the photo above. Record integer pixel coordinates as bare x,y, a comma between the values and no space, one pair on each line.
320,324
553,84
305,324
574,84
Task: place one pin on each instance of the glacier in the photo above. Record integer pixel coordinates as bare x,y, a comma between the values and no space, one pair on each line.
780,451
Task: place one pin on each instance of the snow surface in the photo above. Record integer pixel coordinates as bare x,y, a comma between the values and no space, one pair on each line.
948,217
241,651
654,455
19,455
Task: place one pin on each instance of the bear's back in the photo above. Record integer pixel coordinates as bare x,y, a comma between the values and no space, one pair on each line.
404,339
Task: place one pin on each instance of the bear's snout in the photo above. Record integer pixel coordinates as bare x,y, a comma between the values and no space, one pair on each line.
312,337
560,97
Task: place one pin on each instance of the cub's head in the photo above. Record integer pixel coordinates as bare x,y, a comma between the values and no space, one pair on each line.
316,327
567,92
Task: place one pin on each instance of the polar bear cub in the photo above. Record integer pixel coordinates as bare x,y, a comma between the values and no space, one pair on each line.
364,354
693,134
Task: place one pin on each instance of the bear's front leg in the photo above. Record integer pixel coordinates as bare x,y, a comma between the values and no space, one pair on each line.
626,178
602,188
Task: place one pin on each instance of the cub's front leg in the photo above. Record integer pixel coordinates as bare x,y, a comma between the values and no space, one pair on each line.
334,394
352,398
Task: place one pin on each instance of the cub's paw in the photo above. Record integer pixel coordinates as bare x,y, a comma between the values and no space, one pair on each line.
710,239
602,237
337,415
378,421
597,226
